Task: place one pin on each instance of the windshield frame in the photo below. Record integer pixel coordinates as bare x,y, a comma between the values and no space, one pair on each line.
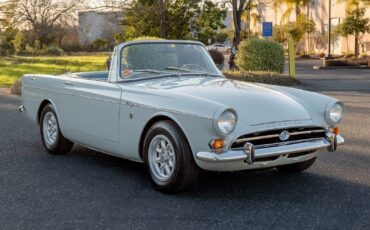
120,48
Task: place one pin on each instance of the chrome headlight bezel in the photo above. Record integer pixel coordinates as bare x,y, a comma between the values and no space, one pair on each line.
334,112
220,117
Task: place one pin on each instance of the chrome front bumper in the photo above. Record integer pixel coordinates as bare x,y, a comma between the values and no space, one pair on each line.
249,155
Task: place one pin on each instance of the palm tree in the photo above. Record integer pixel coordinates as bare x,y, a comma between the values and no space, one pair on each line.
293,5
250,16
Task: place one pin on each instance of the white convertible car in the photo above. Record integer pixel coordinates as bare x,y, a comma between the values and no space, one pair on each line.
166,104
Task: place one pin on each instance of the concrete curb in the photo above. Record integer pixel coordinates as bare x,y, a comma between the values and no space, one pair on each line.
340,67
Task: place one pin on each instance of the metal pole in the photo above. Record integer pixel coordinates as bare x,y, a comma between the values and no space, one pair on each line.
329,49
291,56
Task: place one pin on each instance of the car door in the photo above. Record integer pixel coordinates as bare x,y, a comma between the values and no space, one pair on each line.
91,110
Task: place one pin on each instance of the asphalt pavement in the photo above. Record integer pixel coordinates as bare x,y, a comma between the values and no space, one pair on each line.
89,190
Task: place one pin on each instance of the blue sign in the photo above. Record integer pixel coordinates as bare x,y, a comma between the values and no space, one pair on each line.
267,29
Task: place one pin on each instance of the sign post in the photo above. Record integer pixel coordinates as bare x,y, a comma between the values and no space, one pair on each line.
291,55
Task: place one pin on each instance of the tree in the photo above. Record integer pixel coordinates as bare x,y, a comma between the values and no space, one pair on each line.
296,30
208,21
238,7
182,18
6,41
39,16
140,17
355,24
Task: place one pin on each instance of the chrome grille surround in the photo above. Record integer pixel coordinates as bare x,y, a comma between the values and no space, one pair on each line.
270,138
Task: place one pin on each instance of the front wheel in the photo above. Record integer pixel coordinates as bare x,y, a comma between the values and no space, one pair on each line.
52,138
168,158
296,167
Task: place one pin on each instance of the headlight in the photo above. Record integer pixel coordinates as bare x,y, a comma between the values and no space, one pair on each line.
226,122
335,113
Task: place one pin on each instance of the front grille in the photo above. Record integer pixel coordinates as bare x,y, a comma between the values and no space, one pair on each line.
271,138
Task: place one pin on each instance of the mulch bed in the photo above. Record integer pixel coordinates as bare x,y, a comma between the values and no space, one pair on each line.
263,77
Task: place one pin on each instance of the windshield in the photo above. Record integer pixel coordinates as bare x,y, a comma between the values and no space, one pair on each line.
148,59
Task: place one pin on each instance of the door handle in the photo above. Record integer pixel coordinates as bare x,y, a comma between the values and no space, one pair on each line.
68,83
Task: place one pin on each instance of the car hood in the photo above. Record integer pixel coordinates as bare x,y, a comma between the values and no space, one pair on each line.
254,103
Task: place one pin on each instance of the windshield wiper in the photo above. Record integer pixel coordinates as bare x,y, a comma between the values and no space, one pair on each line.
147,71
177,68
190,71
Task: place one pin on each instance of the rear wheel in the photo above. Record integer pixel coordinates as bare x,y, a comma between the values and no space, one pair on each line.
52,138
168,158
296,167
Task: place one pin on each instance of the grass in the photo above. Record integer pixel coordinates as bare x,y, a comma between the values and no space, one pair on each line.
12,68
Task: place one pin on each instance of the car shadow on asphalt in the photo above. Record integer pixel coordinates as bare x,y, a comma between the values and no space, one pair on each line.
269,184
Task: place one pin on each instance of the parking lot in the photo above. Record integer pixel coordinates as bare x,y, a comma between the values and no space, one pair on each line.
87,189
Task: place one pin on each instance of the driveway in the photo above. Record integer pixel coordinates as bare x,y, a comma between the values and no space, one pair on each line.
89,190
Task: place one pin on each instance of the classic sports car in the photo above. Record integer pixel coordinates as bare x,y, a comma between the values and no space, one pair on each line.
166,104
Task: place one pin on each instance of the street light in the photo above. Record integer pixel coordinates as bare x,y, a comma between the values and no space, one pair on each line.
329,49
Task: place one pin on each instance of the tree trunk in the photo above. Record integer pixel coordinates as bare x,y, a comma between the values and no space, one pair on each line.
163,19
356,45
237,22
297,12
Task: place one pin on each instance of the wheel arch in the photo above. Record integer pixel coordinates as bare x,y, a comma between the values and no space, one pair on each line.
42,106
154,119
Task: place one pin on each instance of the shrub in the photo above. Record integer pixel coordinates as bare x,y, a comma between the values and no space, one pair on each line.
30,50
334,62
19,43
217,57
146,38
17,87
100,45
262,77
260,55
107,62
7,49
54,51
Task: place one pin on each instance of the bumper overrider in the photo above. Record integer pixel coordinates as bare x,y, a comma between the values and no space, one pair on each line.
250,157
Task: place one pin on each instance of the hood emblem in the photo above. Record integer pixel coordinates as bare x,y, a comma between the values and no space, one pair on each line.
284,135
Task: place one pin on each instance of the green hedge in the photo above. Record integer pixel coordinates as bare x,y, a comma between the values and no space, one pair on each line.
260,55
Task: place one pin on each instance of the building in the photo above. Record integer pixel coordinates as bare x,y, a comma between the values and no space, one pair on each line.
317,11
94,25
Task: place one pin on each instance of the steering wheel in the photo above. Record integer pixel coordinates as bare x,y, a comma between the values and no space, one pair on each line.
192,67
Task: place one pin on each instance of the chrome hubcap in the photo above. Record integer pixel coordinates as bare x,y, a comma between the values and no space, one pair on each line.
161,157
50,128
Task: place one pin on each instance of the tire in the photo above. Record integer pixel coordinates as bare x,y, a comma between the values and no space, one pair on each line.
52,139
296,167
165,143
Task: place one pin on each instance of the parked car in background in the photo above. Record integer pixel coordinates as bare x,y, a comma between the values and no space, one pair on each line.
165,103
220,47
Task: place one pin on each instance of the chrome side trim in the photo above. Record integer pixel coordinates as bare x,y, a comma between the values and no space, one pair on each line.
135,104
130,103
74,94
240,155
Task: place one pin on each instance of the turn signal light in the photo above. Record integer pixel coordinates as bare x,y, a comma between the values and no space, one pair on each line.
335,130
217,144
